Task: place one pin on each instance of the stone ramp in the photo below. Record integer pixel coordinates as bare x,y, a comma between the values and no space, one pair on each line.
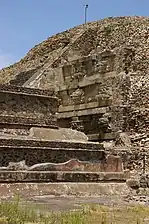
35,78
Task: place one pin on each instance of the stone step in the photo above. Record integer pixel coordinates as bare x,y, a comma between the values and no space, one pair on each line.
59,176
40,191
28,142
24,90
35,155
27,122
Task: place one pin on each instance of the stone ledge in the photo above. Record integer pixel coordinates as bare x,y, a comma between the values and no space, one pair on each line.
28,121
106,136
96,78
59,176
51,98
29,190
24,90
110,164
78,107
84,112
6,147
58,134
51,144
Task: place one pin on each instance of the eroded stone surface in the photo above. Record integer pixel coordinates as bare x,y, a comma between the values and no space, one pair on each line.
61,176
58,134
17,107
31,190
110,164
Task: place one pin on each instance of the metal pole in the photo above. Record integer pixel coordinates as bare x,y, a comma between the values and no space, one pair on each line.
86,7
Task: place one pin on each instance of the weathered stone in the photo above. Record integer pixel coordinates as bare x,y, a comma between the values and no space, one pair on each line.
104,89
58,134
17,107
112,164
133,183
17,166
77,124
40,190
123,140
143,181
59,176
37,151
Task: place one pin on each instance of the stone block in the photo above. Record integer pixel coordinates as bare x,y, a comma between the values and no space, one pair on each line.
59,176
78,107
112,164
84,112
58,134
105,136
21,105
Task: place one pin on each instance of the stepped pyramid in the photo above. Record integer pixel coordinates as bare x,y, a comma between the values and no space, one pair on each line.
91,79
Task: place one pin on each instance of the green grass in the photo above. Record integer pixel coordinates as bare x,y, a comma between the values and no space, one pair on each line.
15,213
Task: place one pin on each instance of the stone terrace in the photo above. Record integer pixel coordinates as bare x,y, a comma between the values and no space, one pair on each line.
25,158
23,108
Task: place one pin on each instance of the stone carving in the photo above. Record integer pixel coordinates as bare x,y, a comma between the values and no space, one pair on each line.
123,140
78,96
78,76
77,124
104,124
104,94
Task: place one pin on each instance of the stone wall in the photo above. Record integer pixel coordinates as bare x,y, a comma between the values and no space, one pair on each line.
35,151
51,144
100,95
138,103
89,88
61,177
23,106
34,156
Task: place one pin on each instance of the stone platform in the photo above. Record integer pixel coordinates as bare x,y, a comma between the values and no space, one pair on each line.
27,107
60,176
31,191
34,151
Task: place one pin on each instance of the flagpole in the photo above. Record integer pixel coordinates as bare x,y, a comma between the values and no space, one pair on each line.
86,8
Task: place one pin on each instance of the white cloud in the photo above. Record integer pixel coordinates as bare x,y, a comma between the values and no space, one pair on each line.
5,59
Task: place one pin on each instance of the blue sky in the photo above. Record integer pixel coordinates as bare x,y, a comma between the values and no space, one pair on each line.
24,23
